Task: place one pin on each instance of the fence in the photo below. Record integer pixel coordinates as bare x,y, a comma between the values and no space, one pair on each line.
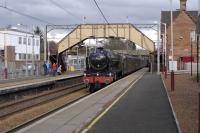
14,72
75,63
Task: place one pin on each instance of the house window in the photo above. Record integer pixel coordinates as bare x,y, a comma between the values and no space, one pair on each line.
29,56
37,57
29,41
24,56
33,41
20,40
24,41
16,56
37,42
20,56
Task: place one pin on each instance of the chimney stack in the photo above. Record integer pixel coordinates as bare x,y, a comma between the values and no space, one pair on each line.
183,5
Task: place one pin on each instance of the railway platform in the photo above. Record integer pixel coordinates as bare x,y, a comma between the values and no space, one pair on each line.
144,109
9,86
136,103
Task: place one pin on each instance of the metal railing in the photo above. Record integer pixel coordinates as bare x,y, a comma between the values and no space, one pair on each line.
19,73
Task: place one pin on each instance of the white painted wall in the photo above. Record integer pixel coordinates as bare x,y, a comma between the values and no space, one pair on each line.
187,66
11,38
1,41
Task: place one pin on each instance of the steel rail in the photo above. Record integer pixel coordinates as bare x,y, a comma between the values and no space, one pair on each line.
26,123
14,107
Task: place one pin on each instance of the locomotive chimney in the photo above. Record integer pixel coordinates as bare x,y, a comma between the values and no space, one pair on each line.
183,5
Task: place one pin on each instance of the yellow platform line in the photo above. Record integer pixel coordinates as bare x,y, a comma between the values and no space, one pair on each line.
105,111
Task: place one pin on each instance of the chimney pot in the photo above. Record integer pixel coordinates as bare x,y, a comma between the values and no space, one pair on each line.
183,5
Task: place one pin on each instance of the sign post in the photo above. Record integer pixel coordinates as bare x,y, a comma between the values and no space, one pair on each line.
198,32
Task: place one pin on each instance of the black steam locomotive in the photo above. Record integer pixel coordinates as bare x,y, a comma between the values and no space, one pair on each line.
105,66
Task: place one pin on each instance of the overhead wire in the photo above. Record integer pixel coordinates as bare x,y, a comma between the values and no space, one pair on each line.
26,15
101,11
65,10
104,17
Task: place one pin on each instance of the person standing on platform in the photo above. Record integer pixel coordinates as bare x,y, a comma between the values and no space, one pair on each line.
48,68
54,68
45,68
59,70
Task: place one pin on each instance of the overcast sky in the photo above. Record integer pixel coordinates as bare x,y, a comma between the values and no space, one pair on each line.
137,11
73,12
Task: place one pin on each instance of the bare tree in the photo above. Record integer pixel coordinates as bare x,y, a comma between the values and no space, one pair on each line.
38,31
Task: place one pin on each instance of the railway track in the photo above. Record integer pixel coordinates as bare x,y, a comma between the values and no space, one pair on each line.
35,89
14,108
43,115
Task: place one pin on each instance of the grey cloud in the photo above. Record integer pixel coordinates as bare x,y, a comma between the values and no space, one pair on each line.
138,11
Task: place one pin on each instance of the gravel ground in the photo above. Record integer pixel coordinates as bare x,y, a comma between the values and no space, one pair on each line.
185,101
19,118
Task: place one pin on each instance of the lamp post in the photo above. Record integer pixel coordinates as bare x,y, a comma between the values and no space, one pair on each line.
192,40
180,41
198,32
26,59
172,47
158,49
163,52
172,39
5,57
77,57
33,55
84,19
165,43
127,19
45,44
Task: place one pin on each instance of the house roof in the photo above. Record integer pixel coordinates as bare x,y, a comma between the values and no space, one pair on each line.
166,16
16,30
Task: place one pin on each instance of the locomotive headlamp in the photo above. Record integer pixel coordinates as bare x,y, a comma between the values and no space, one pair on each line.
84,74
97,74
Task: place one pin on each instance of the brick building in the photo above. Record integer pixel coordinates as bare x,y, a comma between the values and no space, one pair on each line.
184,22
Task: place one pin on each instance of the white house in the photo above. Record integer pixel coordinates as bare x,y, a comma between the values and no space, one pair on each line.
23,42
21,47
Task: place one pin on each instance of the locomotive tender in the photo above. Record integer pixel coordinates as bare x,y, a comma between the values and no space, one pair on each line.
104,66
